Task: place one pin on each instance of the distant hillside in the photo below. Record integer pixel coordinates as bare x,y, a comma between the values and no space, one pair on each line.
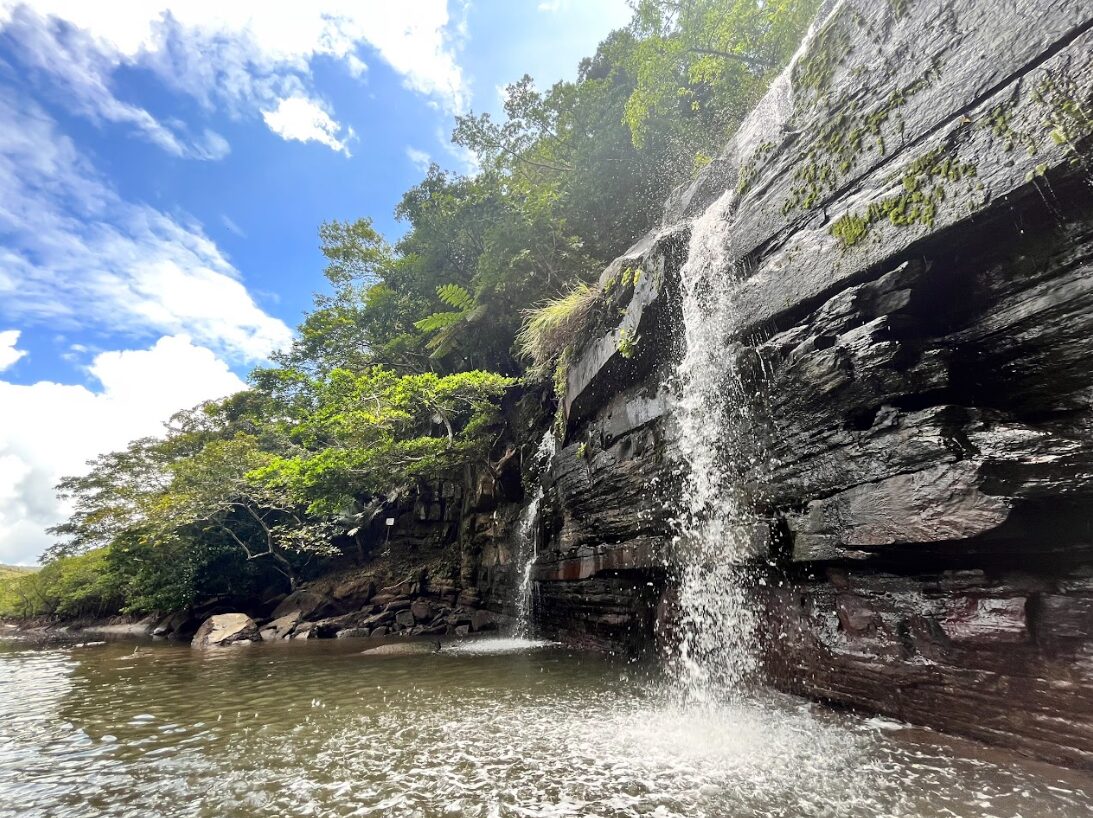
8,571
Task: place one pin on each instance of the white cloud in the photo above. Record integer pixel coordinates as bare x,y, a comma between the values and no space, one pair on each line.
8,353
241,55
418,158
357,67
304,120
76,255
48,430
212,146
551,6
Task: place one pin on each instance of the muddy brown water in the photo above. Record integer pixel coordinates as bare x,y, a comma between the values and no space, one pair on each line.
498,728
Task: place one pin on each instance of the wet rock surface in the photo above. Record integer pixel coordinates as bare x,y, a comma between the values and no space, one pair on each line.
1002,656
280,628
913,324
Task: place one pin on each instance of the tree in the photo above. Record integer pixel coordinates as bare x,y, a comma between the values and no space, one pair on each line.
358,321
377,431
111,498
701,65
214,489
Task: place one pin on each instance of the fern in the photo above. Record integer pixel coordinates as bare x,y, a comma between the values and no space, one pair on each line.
438,321
455,297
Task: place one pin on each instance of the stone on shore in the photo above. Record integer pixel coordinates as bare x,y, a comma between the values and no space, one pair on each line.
280,628
226,629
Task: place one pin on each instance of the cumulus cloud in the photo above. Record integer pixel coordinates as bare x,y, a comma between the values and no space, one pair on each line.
48,430
305,120
243,56
76,255
8,353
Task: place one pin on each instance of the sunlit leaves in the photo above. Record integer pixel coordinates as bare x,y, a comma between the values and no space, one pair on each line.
376,431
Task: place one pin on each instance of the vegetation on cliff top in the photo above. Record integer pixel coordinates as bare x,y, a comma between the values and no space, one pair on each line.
397,374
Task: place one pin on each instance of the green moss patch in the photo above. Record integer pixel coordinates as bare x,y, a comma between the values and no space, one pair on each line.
923,184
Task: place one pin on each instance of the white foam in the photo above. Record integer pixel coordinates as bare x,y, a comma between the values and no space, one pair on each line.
499,645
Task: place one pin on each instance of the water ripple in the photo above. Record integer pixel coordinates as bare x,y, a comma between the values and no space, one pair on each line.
318,729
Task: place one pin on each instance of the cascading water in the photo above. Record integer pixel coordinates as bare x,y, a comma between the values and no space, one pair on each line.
526,553
527,530
716,622
715,653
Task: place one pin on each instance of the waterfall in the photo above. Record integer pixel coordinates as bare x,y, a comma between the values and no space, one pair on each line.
716,618
715,651
527,540
526,552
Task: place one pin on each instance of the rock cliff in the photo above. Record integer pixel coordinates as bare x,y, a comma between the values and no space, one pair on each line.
906,227
909,223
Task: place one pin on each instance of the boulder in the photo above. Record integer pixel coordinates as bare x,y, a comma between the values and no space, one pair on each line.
280,628
404,619
309,604
354,592
306,631
355,633
483,621
329,628
177,624
381,618
226,629
422,610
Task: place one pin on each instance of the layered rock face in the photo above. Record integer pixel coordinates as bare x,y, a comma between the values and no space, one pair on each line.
908,223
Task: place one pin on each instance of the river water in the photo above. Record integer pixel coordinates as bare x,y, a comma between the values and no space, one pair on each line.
499,728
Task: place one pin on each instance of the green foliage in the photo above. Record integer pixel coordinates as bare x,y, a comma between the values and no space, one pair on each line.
70,587
442,325
363,316
378,430
556,324
560,384
701,65
627,344
14,585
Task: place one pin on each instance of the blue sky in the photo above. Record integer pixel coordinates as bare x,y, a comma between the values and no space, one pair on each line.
164,166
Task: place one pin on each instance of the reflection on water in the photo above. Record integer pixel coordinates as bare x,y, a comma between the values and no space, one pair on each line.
504,729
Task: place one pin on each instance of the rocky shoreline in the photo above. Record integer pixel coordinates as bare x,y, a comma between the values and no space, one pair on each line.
354,608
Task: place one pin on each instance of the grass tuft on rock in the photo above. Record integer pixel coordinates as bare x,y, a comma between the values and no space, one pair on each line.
551,327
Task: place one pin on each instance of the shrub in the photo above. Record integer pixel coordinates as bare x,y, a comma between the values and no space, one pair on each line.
551,327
